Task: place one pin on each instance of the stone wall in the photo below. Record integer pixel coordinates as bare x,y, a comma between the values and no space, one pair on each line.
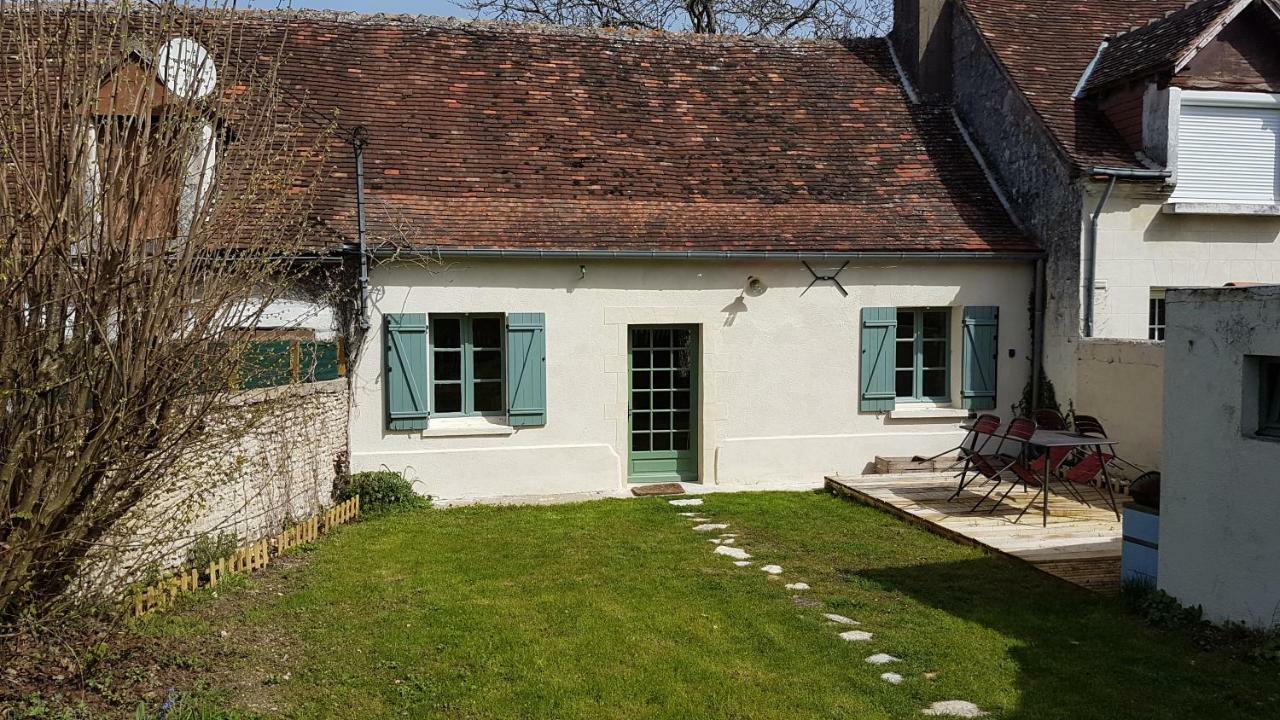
270,460
1037,180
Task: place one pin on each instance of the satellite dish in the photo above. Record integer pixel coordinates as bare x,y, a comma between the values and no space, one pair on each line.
186,68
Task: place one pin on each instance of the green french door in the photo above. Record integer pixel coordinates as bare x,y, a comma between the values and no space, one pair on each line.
663,403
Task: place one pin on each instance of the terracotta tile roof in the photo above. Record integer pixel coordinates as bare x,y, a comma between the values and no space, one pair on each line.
1045,46
502,137
1157,46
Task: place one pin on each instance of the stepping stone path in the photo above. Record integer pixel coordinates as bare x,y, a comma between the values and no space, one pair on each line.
840,619
699,519
708,527
685,502
689,515
733,552
797,586
891,678
742,563
772,569
856,636
954,708
882,659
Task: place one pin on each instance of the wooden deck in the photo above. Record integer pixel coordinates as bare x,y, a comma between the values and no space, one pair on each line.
1080,545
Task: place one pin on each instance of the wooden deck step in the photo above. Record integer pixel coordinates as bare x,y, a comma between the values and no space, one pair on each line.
896,465
1080,545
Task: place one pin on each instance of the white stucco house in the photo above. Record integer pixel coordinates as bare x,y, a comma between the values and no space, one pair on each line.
600,258
1137,142
1218,543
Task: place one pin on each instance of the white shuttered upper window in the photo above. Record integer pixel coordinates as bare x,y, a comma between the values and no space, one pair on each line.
1228,148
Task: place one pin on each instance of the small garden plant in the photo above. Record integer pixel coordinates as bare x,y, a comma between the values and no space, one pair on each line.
380,491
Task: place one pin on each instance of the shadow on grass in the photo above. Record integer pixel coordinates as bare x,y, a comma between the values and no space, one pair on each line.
1074,645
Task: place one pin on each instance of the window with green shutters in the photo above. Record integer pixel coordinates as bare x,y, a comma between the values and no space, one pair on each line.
922,355
466,365
460,365
981,328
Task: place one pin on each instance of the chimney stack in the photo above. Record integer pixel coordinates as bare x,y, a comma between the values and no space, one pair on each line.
921,38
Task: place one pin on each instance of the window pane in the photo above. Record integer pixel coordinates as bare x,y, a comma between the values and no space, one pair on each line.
487,364
935,324
680,420
904,384
641,338
681,400
906,354
935,354
935,383
661,400
640,441
640,359
640,421
640,379
662,338
662,378
488,397
446,333
640,400
447,366
662,421
661,441
682,378
906,323
662,358
486,332
680,441
681,338
448,399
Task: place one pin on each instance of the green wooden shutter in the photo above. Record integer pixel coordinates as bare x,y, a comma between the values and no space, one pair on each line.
879,333
526,369
978,376
405,376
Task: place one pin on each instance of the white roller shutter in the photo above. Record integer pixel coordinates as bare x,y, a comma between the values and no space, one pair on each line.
1228,154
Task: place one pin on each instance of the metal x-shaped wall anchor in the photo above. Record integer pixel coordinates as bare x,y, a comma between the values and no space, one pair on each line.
832,278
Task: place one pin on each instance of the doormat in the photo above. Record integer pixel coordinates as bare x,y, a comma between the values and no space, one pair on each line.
657,489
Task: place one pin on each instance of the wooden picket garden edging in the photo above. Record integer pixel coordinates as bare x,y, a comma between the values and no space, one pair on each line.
246,559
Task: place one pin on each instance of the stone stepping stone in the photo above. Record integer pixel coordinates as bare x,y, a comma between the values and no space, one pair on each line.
840,619
856,636
882,659
688,515
742,563
797,586
954,708
891,678
733,552
699,519
717,541
685,502
806,601
708,527
772,569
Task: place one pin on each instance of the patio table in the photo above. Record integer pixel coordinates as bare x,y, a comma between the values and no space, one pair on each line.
1061,439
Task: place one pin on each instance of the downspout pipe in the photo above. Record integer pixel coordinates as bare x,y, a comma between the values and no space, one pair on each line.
359,140
1091,240
1037,332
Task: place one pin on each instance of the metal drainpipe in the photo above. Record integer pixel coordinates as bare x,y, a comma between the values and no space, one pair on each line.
359,139
1091,267
1037,333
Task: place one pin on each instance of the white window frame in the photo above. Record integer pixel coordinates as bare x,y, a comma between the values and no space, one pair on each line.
1215,98
1156,325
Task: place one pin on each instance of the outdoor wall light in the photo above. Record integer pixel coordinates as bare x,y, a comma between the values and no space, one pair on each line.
755,286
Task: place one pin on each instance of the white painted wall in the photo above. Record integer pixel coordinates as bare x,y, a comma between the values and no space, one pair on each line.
1121,382
1219,538
1141,247
779,375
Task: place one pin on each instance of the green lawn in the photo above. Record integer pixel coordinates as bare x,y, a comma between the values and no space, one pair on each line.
616,609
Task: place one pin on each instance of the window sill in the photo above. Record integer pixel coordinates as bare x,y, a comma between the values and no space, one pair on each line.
1180,207
929,413
468,427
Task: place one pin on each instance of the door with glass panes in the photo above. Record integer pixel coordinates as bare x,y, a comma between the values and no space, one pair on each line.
663,403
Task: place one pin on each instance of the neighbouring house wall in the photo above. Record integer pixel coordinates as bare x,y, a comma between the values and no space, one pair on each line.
1140,248
271,460
779,372
1121,382
1036,178
1219,545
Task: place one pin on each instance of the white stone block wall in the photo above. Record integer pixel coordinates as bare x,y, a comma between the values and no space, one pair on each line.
1121,382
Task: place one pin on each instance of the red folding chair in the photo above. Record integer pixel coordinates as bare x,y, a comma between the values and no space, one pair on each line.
1049,420
1016,471
1087,471
982,432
